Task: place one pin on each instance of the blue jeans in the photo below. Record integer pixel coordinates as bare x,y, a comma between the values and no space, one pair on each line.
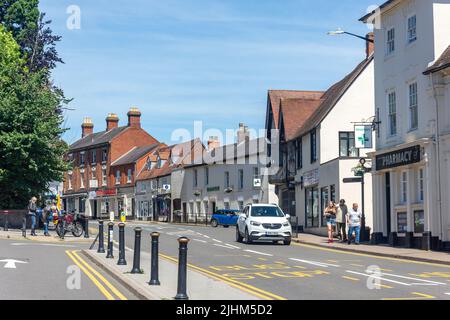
350,233
46,227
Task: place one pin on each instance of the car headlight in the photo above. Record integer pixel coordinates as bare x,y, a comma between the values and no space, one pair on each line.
286,224
255,223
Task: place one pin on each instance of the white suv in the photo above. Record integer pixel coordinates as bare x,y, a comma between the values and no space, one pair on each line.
263,222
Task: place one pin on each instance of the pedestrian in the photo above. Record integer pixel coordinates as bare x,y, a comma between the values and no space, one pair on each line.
354,223
46,214
330,215
32,212
341,219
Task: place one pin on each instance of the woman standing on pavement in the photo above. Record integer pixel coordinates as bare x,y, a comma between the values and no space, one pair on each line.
32,211
330,215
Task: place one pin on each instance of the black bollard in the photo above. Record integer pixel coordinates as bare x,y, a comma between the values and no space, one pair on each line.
154,279
6,221
101,245
110,254
182,269
86,227
137,251
122,261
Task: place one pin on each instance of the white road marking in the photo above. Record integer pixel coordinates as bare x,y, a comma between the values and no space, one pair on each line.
380,278
230,245
316,263
447,293
261,253
11,263
215,240
220,245
409,278
202,241
206,236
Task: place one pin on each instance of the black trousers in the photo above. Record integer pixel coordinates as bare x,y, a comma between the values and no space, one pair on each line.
342,231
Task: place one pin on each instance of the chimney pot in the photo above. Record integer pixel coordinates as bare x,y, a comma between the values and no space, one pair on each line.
213,143
87,127
134,117
112,121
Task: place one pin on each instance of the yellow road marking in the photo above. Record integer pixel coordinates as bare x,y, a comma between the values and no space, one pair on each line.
385,286
371,255
356,265
334,261
421,296
387,270
106,282
350,278
237,284
90,276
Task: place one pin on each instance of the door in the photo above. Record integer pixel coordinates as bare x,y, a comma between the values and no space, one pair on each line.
388,203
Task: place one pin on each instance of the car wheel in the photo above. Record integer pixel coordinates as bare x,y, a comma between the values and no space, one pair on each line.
238,235
214,223
248,240
275,241
287,242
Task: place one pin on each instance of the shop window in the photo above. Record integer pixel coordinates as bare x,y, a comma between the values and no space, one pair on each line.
324,198
312,208
419,221
402,222
421,185
81,205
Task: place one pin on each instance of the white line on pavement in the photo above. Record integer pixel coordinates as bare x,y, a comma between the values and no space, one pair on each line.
409,278
220,245
257,252
206,236
230,245
377,277
202,241
316,263
215,240
447,293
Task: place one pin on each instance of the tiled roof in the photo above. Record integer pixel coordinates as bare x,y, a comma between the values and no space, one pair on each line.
134,155
332,96
443,62
97,138
294,113
175,156
275,97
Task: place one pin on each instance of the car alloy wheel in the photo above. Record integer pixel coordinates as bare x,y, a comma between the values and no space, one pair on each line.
247,237
214,223
238,235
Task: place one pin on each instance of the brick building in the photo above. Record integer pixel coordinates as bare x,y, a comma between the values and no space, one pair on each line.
90,186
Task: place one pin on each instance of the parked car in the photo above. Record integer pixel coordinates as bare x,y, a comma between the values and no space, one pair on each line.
224,217
263,222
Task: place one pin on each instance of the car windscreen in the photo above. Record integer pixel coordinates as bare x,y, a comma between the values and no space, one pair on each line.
261,211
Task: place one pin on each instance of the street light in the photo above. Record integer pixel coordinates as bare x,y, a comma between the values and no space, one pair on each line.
340,31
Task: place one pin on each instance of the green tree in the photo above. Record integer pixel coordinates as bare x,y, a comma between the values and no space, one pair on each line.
31,148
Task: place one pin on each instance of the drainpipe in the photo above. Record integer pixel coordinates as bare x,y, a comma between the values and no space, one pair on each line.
438,158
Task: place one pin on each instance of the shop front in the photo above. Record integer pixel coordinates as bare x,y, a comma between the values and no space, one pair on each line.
405,197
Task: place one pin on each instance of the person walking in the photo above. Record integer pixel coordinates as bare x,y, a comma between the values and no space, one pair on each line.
354,223
32,211
46,214
341,220
330,215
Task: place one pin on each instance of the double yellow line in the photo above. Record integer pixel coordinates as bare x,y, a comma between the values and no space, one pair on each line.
97,279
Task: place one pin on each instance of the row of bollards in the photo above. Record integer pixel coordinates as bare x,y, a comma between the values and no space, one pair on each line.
154,273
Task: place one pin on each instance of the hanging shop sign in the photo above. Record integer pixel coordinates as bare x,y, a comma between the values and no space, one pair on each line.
363,137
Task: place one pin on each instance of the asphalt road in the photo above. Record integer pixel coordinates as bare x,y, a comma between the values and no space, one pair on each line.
299,272
53,271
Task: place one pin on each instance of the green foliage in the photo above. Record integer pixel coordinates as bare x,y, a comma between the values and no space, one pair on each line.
31,149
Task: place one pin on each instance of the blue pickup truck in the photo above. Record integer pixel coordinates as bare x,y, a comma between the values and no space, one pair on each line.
225,217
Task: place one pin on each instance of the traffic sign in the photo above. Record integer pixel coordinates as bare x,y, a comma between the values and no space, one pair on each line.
352,180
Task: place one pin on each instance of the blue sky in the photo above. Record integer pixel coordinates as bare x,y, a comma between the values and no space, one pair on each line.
182,61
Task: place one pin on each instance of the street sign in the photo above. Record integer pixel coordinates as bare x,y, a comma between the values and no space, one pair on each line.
352,180
363,136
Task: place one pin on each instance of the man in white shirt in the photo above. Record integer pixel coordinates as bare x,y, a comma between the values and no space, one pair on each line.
354,223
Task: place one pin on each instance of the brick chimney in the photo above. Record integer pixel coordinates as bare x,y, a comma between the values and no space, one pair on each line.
112,121
213,143
87,127
242,134
134,118
370,46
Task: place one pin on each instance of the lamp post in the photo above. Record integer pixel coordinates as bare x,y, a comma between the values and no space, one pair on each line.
339,32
